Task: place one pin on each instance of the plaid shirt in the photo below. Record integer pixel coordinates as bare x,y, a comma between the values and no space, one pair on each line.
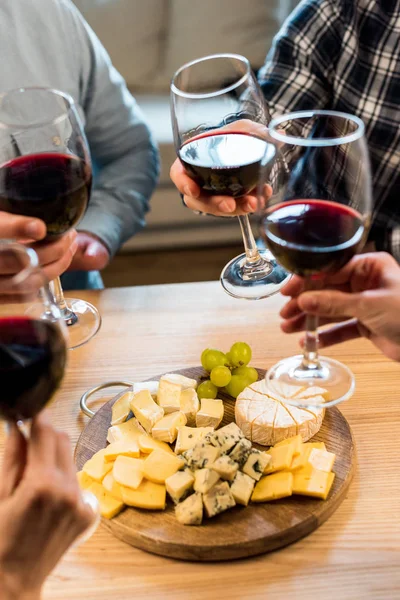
345,55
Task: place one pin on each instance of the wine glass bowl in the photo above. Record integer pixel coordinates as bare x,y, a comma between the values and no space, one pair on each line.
315,219
219,120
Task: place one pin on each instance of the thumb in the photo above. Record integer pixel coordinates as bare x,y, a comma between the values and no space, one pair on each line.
14,461
331,304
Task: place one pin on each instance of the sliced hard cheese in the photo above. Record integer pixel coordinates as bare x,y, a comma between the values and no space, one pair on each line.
147,444
184,382
190,511
112,486
96,467
281,458
168,396
146,410
126,432
130,448
189,405
121,409
242,488
210,414
179,485
225,467
148,495
128,471
166,429
204,479
84,480
321,459
311,482
218,499
109,506
160,465
188,437
152,386
273,487
296,441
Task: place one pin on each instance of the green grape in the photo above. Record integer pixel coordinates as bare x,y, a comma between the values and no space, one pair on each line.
236,385
207,390
228,356
213,358
220,376
249,373
203,357
240,354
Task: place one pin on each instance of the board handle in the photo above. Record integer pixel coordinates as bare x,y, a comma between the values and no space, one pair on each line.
85,397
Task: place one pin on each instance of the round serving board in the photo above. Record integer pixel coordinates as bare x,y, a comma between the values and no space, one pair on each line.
241,531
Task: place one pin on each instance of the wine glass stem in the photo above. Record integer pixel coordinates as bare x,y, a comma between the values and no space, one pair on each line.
69,317
310,354
252,253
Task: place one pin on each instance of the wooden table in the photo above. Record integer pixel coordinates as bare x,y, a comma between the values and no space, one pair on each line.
354,555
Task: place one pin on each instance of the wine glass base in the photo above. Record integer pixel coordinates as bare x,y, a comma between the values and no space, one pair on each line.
261,280
330,374
87,324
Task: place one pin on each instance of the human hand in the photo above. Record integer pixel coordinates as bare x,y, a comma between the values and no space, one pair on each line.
91,254
41,508
366,290
220,206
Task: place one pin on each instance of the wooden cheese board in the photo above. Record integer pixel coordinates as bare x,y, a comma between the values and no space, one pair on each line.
242,531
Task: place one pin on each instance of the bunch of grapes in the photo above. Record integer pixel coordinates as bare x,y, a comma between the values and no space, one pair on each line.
228,371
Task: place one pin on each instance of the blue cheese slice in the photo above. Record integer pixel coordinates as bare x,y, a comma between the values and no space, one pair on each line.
190,511
256,464
218,499
225,467
204,479
240,452
179,485
225,438
242,488
200,456
188,437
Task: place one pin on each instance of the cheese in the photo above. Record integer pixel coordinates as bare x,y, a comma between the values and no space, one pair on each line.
112,487
160,465
225,438
318,445
210,414
311,482
296,441
148,495
218,499
240,452
179,485
96,467
265,418
321,459
84,481
109,506
286,390
190,511
281,458
168,396
204,479
200,456
147,444
189,405
184,382
225,467
121,408
151,386
189,436
273,487
130,448
242,488
312,392
128,471
256,464
166,429
126,432
146,410
301,459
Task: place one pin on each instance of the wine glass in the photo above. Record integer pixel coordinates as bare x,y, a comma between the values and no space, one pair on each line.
33,351
45,172
220,137
314,218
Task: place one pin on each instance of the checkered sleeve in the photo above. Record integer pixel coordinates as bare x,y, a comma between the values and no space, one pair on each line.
299,69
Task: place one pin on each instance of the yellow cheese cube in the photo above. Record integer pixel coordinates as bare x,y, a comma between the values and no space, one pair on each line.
211,413
166,429
84,480
311,482
96,467
128,471
146,410
127,432
160,465
112,487
321,459
130,448
148,495
273,487
168,396
281,458
109,506
121,409
147,444
296,442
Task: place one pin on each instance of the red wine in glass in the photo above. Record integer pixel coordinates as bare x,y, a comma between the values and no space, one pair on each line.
313,237
32,363
224,163
54,187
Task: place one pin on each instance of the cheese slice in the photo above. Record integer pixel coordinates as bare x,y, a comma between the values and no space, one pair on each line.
184,382
151,386
211,413
122,448
84,480
127,432
218,499
204,479
96,467
109,506
312,482
128,471
190,511
273,487
188,437
296,441
112,487
189,405
312,392
321,459
179,485
147,444
121,408
149,495
281,458
242,488
166,429
168,396
146,410
160,465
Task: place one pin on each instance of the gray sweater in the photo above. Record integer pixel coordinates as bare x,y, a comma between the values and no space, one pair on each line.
48,43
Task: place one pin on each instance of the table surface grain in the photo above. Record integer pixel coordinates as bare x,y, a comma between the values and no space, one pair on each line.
155,329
